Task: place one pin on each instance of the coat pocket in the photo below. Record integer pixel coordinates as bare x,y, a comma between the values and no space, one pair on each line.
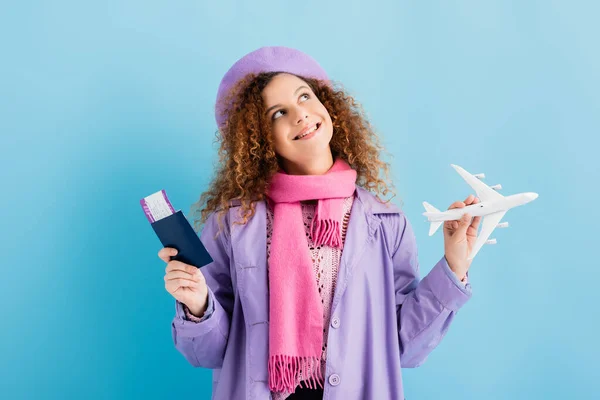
254,293
258,343
254,296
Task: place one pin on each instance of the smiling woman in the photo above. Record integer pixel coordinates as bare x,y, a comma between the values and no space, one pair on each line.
296,196
260,118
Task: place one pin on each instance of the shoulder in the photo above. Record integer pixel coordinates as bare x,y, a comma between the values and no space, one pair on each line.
218,222
233,213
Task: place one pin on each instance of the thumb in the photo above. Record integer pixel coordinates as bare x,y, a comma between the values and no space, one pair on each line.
463,224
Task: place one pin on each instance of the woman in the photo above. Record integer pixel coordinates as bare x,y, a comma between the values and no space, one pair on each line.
314,288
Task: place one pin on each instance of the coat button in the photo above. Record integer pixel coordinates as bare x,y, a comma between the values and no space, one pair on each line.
335,322
334,380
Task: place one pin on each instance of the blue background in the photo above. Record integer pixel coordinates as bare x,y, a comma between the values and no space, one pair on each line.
103,103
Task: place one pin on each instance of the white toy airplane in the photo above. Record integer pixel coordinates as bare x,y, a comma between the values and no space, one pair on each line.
492,207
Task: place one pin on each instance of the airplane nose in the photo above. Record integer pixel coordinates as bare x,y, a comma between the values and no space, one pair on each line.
532,196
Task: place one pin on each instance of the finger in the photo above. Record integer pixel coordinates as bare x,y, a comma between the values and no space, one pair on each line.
175,284
178,265
450,227
464,224
196,277
474,226
166,253
472,230
456,204
471,200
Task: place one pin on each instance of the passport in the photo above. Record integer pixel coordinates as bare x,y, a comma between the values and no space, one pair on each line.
174,230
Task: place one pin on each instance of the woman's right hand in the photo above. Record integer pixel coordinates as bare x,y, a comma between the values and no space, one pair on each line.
185,282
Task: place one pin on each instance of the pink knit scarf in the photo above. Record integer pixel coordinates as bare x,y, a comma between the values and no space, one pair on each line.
296,311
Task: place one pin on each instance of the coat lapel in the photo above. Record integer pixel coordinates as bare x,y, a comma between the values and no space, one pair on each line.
361,230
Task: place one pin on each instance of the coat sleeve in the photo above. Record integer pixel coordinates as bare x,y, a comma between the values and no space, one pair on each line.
203,343
425,308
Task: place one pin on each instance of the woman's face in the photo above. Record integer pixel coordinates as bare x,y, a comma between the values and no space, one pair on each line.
294,113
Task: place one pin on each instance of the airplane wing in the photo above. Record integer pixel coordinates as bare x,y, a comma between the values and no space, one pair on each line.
484,192
488,224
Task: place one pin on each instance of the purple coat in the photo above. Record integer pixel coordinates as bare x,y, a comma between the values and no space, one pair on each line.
383,316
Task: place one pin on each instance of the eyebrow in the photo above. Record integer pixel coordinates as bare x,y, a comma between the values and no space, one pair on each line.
279,105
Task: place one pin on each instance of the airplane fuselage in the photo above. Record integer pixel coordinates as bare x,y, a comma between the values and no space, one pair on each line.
483,208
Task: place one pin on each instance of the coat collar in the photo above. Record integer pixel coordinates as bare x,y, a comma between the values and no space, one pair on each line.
372,205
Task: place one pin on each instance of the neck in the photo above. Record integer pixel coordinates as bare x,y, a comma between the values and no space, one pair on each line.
318,166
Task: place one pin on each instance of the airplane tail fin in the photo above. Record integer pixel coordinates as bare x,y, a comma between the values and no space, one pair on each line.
434,224
429,207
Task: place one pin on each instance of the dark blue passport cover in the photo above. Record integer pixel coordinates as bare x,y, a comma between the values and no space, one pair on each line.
175,231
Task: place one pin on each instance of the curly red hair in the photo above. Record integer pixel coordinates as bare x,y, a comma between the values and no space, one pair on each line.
247,158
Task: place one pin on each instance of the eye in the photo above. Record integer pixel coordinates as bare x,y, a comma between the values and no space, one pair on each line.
281,111
275,113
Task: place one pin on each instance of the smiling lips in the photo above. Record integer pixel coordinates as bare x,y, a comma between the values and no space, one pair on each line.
308,131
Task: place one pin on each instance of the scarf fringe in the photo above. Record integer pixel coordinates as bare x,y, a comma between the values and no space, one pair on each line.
326,232
283,371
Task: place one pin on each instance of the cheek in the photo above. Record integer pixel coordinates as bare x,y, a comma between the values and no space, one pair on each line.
327,116
329,126
279,140
279,146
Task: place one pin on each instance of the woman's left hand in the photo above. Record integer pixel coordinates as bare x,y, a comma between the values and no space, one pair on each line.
459,238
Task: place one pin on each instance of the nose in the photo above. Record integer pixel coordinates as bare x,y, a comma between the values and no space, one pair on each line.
532,196
302,115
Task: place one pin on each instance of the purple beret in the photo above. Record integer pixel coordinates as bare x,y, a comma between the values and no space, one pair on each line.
267,59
